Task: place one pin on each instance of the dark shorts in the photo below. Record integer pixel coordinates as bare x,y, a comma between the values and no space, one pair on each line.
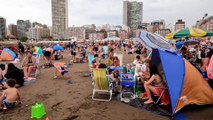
7,104
46,53
73,53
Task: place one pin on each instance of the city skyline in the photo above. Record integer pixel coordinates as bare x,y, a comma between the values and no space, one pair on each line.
105,12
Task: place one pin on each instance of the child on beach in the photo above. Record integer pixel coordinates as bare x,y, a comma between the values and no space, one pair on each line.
10,96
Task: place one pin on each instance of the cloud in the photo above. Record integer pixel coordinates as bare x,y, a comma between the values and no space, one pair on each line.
105,11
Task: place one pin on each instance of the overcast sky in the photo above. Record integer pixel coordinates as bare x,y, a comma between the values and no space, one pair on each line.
106,11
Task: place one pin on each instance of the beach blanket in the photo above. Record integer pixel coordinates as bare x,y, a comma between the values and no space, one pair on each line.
29,81
138,103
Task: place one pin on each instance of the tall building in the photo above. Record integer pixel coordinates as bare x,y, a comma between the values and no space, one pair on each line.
77,32
59,18
132,14
2,27
157,25
35,33
22,28
12,30
34,24
206,23
180,24
38,32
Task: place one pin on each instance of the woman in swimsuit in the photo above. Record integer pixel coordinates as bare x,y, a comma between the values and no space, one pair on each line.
154,85
29,63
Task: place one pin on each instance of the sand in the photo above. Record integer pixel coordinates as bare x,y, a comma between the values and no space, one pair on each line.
73,101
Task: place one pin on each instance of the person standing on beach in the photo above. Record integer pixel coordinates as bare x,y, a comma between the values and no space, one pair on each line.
21,50
48,54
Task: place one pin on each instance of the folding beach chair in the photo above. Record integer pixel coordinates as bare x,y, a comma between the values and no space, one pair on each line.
102,86
163,97
127,83
164,93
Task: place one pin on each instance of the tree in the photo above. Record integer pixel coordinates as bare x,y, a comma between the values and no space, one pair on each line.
24,39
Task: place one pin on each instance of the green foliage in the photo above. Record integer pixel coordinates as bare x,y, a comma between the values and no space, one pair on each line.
23,39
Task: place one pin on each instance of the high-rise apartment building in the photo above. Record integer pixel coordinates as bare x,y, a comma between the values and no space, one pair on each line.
12,29
22,28
59,18
2,27
132,14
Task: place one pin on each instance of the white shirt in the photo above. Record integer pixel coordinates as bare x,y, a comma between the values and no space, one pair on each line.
135,62
139,68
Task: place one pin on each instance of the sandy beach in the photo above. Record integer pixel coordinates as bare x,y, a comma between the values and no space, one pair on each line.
73,101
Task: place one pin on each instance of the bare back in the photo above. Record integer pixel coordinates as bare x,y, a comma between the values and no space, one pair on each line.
11,94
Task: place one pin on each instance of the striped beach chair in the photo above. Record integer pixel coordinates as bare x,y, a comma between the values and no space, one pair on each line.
102,86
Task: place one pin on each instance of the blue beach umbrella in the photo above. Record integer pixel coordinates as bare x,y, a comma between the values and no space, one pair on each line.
57,47
179,45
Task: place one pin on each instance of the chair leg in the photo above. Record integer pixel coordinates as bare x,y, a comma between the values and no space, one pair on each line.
160,96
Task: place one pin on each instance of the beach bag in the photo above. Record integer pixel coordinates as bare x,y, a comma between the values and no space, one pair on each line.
209,69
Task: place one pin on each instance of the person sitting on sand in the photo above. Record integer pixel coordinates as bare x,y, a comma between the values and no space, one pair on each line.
80,58
116,62
145,71
12,72
96,61
60,69
29,64
10,96
154,85
137,60
101,53
115,73
109,60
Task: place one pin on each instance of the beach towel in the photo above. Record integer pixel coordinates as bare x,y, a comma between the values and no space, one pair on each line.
156,109
29,81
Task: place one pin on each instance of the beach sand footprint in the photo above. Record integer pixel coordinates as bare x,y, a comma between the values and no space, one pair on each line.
71,117
56,106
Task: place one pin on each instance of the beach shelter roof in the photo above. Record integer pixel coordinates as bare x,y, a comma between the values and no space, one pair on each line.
184,82
189,32
151,41
7,55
